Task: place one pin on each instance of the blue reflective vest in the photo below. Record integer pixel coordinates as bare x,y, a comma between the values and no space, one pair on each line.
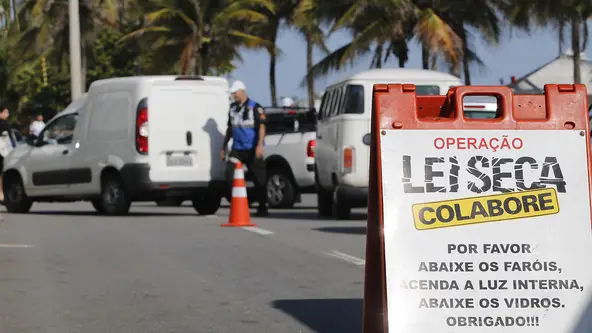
244,121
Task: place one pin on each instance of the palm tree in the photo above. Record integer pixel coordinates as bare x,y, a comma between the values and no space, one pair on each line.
190,31
309,27
379,25
462,18
46,30
283,11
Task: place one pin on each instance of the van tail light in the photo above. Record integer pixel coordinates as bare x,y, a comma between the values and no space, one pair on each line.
310,148
348,160
142,131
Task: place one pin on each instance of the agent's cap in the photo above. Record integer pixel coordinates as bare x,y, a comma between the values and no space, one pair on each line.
236,86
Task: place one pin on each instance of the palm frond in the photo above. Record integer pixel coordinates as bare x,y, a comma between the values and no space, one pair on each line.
167,14
242,14
438,35
252,41
142,31
336,60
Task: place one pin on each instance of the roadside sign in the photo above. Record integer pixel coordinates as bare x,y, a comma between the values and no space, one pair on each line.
479,225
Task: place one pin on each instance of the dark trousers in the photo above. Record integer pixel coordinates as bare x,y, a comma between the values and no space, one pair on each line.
256,168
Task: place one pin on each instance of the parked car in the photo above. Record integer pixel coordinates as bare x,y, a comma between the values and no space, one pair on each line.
101,149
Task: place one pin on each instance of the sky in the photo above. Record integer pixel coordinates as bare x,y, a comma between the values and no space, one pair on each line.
517,54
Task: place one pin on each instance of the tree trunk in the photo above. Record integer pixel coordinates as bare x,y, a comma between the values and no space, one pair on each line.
121,9
455,69
138,45
561,36
203,55
191,67
425,57
274,27
401,63
194,60
84,65
434,63
272,86
379,52
575,44
465,59
401,51
15,14
272,62
309,77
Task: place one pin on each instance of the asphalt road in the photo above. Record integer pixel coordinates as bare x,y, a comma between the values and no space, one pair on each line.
64,269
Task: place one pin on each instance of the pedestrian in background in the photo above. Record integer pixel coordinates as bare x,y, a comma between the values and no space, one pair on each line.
288,102
246,128
37,125
4,141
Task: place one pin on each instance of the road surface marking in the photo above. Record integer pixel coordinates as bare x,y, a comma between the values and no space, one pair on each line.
346,257
212,216
259,231
15,246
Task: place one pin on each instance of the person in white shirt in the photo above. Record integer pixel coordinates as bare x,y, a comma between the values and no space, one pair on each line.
288,102
37,125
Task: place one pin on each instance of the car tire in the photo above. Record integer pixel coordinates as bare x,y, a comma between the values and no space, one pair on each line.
324,203
206,204
15,197
97,205
114,198
341,207
324,199
280,190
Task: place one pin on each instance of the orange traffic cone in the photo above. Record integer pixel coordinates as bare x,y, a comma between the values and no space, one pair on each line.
239,204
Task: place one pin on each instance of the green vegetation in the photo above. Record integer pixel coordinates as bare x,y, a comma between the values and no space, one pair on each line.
135,37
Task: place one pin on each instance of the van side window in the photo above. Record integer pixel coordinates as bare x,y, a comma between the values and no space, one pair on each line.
337,102
324,103
327,107
342,99
355,99
59,131
331,103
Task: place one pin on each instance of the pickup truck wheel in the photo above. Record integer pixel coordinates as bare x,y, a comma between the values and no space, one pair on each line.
206,204
341,208
280,190
15,197
114,199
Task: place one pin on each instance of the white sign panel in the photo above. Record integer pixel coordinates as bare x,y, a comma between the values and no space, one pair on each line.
487,231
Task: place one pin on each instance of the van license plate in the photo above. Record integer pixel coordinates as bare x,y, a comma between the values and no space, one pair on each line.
179,161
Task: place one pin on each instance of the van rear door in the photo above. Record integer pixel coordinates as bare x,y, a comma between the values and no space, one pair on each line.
187,120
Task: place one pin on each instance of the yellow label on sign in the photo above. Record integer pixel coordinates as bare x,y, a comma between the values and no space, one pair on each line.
491,208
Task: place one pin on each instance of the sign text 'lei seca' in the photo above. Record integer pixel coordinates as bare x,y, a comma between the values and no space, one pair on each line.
523,183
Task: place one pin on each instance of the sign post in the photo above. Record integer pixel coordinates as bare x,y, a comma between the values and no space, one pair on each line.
479,225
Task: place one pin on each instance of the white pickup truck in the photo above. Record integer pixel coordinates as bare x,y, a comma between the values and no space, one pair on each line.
289,154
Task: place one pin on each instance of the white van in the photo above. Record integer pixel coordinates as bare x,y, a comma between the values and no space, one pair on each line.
342,151
128,139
